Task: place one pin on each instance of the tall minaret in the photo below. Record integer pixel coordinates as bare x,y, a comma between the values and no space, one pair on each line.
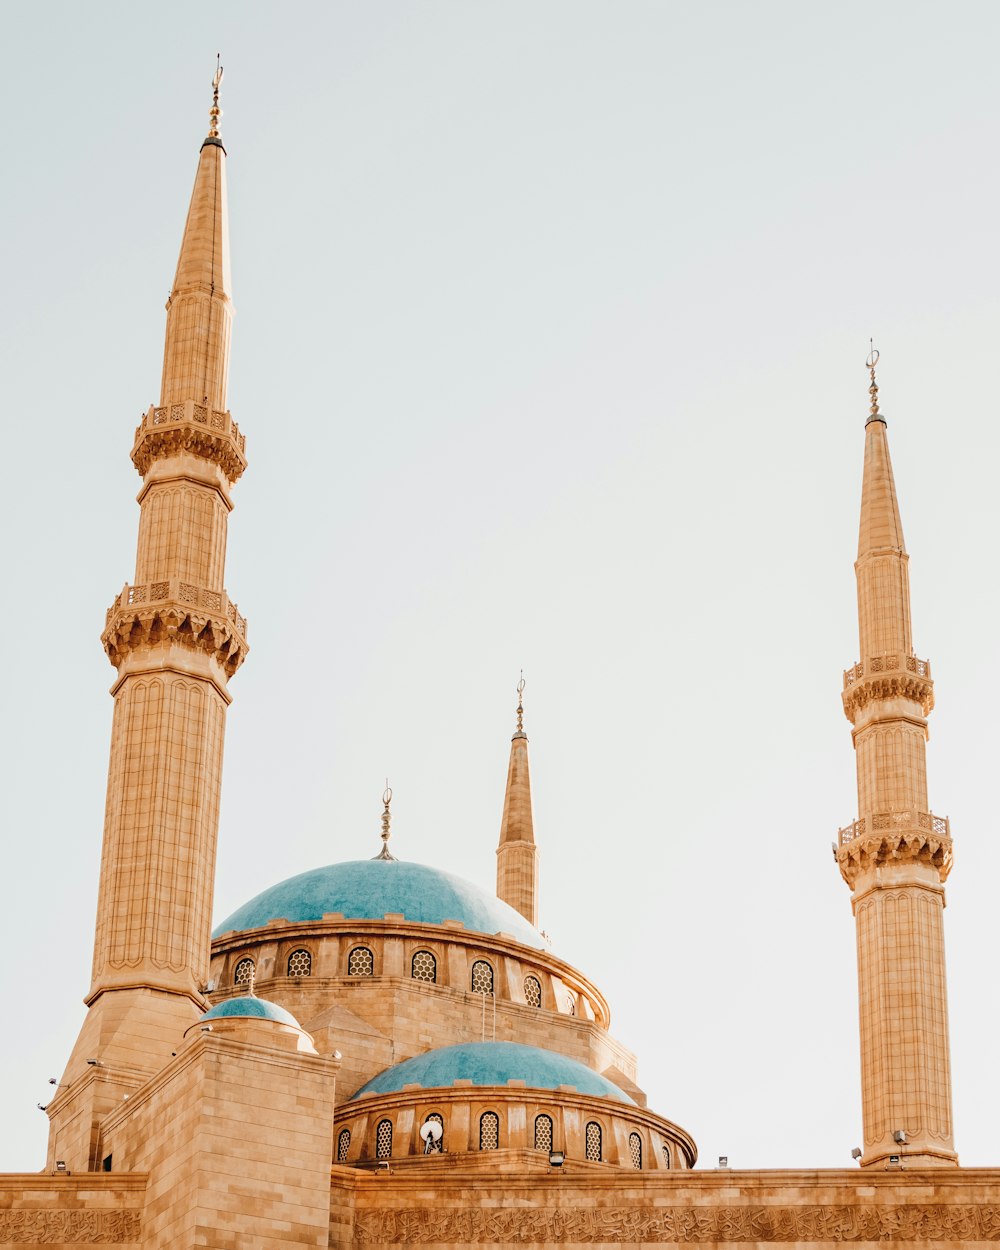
517,855
175,639
896,855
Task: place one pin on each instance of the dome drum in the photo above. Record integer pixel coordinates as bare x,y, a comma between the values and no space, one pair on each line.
517,1118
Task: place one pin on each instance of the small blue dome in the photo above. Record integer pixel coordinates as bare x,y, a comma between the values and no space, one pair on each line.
369,889
250,1008
492,1063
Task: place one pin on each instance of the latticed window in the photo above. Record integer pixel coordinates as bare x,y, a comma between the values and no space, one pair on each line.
666,1155
244,972
423,966
436,1147
594,1142
571,1004
489,1129
343,1145
543,1132
383,1140
635,1150
300,964
533,991
361,963
482,977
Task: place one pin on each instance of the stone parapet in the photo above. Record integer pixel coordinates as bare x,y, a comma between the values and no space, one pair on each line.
894,838
888,677
191,428
175,611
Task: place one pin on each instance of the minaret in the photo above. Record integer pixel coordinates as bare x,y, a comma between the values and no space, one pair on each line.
897,855
517,855
175,639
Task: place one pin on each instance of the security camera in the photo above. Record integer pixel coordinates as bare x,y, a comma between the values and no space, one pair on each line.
856,1152
899,1137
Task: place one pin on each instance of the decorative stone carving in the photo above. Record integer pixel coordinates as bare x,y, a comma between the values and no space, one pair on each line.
175,611
56,1227
894,838
888,677
191,428
641,1225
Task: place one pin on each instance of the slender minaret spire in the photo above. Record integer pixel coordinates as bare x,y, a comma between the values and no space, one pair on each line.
384,853
897,854
175,639
517,855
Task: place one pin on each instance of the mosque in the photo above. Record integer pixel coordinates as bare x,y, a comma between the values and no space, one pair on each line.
377,1053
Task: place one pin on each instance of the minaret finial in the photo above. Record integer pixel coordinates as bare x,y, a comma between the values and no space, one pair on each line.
520,708
870,363
386,821
215,112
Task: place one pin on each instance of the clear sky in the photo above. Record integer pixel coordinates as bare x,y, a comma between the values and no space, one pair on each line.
549,350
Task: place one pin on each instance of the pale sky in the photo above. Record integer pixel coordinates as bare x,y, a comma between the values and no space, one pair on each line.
549,350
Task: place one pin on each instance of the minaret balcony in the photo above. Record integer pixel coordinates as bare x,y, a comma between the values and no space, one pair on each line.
194,429
894,837
175,611
890,676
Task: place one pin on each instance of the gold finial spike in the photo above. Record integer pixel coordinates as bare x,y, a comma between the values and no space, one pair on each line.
870,363
386,821
214,113
251,981
520,708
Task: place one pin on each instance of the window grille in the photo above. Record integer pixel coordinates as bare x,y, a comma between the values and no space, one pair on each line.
594,1142
244,972
423,966
635,1150
300,964
360,962
666,1155
482,977
436,1148
533,991
489,1131
543,1132
383,1140
343,1145
571,1004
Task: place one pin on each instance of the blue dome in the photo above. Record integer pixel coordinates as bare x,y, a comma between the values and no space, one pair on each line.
369,889
492,1063
250,1008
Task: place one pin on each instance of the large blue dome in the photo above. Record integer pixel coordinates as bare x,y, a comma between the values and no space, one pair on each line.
370,889
492,1063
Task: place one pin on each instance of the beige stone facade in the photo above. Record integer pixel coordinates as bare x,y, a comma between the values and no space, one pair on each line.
378,1054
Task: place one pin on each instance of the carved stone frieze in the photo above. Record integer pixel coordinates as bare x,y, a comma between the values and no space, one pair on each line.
928,1224
57,1227
194,429
896,684
173,611
890,843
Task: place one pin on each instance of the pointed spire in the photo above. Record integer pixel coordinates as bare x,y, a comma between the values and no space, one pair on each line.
200,310
386,821
883,578
517,855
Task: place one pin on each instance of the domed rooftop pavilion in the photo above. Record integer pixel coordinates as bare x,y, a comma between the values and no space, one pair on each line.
492,1063
370,889
249,1007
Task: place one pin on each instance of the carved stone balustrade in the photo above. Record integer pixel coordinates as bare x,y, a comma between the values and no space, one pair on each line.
888,677
194,429
886,837
176,611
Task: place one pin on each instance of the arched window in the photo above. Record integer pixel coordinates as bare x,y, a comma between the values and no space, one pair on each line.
244,971
635,1150
571,1004
383,1140
360,962
482,977
489,1130
666,1155
432,1147
300,964
543,1132
423,966
594,1142
343,1145
533,991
